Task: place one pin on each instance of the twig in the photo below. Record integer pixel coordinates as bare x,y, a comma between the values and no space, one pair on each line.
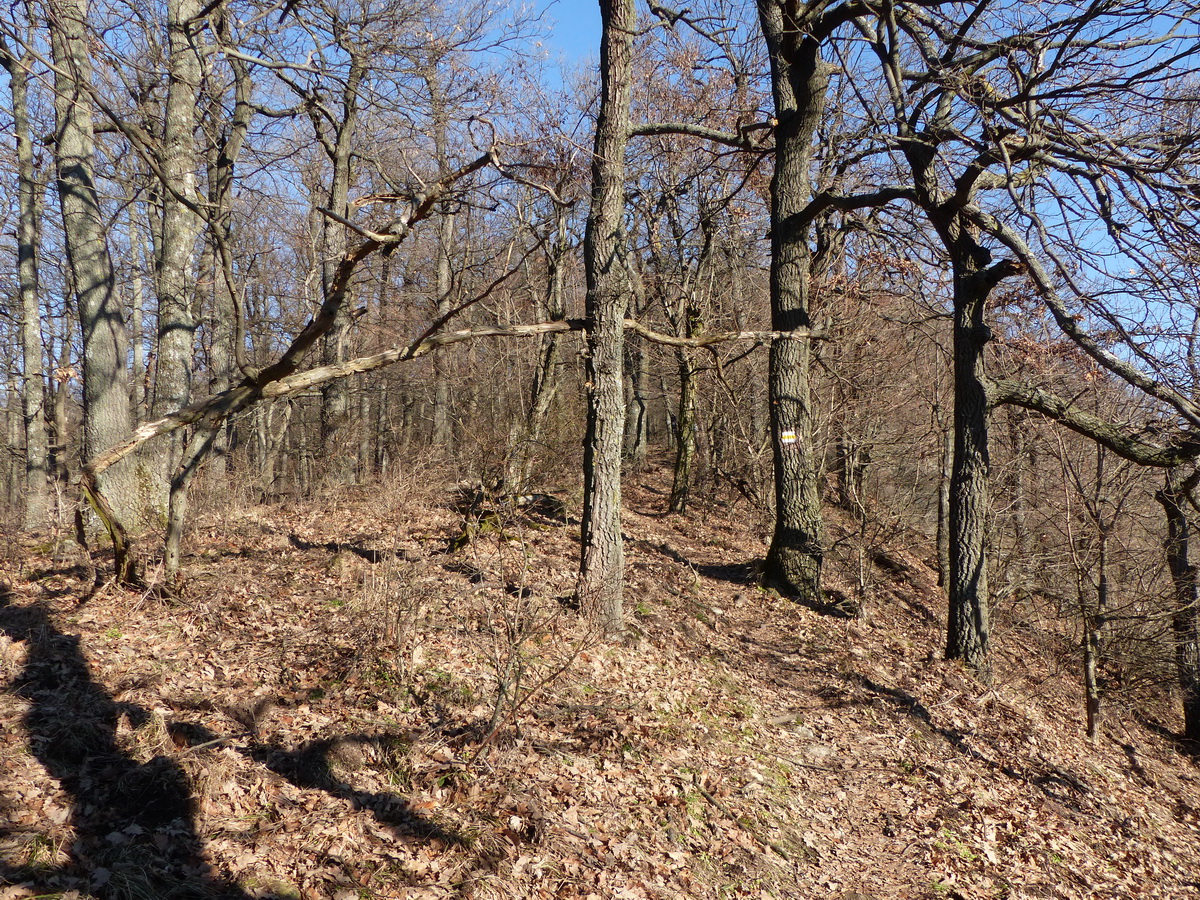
221,740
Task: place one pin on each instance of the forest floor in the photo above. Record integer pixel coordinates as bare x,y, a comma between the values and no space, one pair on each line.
338,706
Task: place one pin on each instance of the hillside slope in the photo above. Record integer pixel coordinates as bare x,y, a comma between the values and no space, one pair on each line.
340,707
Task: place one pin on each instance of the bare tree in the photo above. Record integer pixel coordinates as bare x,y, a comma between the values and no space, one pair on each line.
105,379
33,389
988,114
179,225
602,558
794,32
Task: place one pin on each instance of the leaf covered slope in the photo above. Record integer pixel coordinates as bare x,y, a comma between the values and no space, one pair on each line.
342,708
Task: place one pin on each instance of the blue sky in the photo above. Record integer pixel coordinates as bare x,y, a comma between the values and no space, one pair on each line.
574,29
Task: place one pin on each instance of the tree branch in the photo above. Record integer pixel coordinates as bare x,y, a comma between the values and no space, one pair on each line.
1117,438
743,140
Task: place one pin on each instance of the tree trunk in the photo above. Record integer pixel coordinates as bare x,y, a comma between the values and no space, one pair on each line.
443,430
335,395
636,438
602,560
685,433
546,378
968,633
33,386
1185,618
1095,625
137,380
228,337
105,380
13,468
175,264
799,79
59,427
943,510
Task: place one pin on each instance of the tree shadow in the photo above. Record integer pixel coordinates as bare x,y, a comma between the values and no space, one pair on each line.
134,821
371,556
1054,782
837,605
309,767
1182,744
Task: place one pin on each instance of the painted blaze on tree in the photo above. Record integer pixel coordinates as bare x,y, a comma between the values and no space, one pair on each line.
799,82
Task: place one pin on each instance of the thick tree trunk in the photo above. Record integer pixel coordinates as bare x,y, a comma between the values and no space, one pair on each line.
799,79
602,559
105,380
968,634
33,387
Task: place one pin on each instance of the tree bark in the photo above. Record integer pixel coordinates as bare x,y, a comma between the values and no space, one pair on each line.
799,80
335,396
175,264
968,634
1185,618
105,380
602,560
33,387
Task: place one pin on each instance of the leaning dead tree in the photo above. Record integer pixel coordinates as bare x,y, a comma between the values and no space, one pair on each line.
285,377
208,415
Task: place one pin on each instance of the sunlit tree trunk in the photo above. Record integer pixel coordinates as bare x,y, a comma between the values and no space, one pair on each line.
105,380
799,80
33,387
175,265
602,559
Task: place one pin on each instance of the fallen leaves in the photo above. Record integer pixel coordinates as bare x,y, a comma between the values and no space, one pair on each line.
330,726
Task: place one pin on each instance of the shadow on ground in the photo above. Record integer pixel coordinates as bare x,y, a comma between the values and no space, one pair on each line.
310,767
134,821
